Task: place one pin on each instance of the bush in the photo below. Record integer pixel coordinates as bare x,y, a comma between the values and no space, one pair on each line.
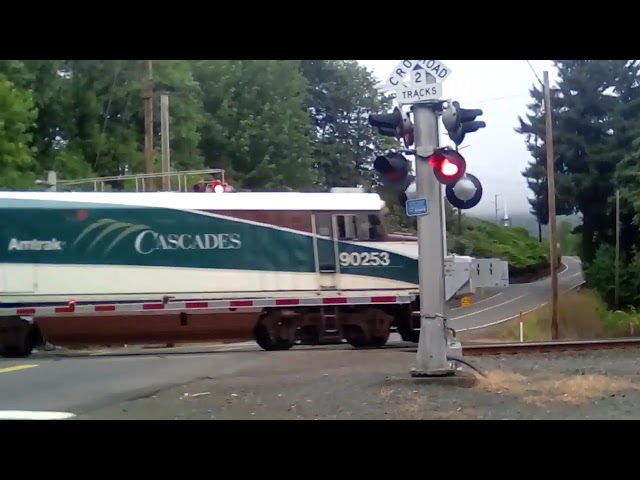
480,238
600,275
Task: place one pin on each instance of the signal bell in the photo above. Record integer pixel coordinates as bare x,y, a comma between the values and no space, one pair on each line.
448,166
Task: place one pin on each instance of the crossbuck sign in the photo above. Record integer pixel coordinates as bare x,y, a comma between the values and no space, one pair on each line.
417,81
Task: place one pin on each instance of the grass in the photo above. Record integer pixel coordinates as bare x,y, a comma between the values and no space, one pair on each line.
542,389
480,238
582,315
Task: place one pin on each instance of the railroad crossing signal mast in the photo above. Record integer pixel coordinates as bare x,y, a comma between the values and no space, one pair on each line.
419,83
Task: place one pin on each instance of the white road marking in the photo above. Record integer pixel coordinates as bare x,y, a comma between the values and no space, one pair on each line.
572,276
31,415
489,308
497,322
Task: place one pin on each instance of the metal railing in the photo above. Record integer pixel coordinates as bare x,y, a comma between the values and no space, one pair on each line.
136,182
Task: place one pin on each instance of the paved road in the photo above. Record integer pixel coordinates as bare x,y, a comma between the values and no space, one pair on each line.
76,385
51,382
508,303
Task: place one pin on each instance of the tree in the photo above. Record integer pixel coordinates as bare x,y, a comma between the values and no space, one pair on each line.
105,115
255,126
17,115
340,97
586,108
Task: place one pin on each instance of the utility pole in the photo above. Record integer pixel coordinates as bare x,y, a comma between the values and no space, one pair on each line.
148,123
551,187
617,286
495,200
166,156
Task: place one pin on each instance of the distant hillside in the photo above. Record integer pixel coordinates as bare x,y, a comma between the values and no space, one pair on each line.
528,258
528,221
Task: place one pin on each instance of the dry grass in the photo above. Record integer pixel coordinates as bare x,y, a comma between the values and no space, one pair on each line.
579,318
541,390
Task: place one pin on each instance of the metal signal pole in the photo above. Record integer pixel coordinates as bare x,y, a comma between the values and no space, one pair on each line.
551,187
432,346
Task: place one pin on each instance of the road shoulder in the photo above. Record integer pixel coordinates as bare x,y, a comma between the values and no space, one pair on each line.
376,385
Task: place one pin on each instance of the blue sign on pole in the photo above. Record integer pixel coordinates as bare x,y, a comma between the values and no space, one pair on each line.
417,207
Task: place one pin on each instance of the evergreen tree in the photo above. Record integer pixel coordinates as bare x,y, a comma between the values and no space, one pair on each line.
585,110
341,96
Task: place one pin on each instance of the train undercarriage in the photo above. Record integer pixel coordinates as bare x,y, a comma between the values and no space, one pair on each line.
361,326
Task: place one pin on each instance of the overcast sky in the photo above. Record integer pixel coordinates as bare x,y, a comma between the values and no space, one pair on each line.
496,154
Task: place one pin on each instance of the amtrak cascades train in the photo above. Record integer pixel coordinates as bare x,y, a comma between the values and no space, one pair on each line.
280,268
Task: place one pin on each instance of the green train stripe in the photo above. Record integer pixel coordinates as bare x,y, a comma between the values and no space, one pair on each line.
98,234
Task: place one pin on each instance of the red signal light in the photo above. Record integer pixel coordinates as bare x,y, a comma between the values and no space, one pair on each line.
393,175
218,187
449,166
449,169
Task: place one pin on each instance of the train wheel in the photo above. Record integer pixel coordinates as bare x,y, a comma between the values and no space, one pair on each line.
379,341
268,343
409,335
357,339
369,328
21,351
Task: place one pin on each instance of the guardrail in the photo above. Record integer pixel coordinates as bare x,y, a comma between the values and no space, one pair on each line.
185,179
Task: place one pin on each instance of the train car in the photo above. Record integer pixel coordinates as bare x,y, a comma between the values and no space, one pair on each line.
280,268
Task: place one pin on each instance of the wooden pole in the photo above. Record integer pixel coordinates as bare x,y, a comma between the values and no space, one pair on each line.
617,286
148,123
166,158
551,187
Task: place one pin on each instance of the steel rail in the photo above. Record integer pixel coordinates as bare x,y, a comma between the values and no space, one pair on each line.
517,348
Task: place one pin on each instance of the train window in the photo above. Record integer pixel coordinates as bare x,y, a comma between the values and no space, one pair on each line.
323,225
376,228
363,227
347,227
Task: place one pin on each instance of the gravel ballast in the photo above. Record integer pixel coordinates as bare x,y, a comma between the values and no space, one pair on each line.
376,384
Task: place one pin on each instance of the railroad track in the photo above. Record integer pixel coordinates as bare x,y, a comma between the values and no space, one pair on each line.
468,349
519,348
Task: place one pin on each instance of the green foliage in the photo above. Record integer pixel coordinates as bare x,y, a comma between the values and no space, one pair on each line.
255,124
340,97
270,124
595,111
569,241
480,238
596,127
17,115
600,275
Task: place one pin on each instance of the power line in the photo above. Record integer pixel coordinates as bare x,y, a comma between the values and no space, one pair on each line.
534,71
